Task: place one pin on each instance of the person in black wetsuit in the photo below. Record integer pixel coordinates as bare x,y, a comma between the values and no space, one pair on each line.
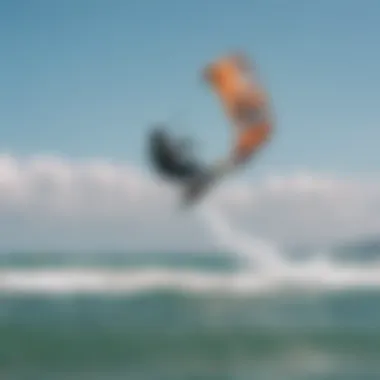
170,158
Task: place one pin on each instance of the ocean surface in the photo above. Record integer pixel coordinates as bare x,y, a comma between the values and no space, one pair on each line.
186,316
246,311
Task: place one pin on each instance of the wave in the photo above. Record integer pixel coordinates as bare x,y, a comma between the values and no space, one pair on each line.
298,279
263,269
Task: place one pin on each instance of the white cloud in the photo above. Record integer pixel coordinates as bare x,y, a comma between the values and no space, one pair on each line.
55,203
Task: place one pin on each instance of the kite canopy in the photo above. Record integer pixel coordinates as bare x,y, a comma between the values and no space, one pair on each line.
244,102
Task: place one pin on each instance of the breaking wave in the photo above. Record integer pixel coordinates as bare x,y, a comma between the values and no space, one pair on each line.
298,279
264,270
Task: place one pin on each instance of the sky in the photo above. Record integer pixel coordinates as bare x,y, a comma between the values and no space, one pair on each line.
83,80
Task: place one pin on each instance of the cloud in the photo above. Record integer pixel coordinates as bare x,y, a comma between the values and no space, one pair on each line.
305,207
52,203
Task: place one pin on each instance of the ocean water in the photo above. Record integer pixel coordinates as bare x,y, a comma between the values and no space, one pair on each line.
246,311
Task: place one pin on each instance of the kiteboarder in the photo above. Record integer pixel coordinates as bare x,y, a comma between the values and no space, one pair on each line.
246,105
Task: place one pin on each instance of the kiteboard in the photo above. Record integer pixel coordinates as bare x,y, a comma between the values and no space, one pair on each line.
197,188
173,164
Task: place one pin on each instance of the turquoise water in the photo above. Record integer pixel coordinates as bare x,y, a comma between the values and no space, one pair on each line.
182,317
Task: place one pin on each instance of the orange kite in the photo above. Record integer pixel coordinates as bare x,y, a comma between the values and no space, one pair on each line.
244,102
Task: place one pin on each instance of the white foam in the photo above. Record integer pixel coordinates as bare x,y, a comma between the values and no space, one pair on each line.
303,278
271,274
250,249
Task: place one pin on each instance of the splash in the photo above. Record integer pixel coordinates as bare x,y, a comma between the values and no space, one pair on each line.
271,263
251,251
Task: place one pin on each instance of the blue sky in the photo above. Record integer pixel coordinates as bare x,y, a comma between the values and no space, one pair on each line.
84,78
